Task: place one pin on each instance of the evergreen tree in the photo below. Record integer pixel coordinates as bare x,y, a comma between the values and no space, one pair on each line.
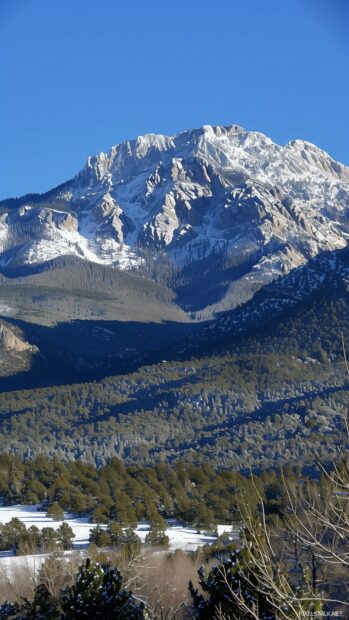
115,532
49,539
55,511
43,607
12,534
100,537
98,594
238,589
225,585
32,539
157,536
204,517
78,502
130,543
99,515
65,536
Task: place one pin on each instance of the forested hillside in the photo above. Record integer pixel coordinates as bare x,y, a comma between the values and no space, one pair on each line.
274,396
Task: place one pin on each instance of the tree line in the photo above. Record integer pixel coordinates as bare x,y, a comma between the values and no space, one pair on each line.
198,495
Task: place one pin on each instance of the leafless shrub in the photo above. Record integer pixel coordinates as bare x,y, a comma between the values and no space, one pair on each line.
17,579
163,583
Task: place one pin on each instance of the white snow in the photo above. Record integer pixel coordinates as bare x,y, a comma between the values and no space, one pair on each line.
33,515
197,191
5,309
10,564
181,537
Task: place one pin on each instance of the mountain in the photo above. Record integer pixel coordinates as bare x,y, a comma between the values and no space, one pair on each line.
229,209
190,293
167,245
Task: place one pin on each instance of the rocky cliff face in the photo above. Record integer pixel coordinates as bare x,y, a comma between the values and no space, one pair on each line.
12,342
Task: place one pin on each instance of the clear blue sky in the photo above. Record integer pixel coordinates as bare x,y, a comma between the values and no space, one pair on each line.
77,76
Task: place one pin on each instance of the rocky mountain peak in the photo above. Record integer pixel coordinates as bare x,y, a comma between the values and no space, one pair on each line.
217,189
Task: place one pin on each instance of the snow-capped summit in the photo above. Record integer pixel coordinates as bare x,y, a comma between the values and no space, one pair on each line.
213,189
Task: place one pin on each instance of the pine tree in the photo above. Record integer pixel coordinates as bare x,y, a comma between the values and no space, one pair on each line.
49,538
55,511
100,537
130,543
98,594
115,532
226,582
238,589
43,607
12,534
7,610
99,515
65,536
157,536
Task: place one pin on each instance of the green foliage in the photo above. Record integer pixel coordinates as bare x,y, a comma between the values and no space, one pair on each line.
157,536
263,399
239,588
115,536
115,532
43,606
130,543
65,536
225,585
100,537
12,534
98,594
49,539
119,495
55,512
16,537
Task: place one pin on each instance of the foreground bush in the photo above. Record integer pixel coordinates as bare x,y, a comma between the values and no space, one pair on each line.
231,589
97,595
251,583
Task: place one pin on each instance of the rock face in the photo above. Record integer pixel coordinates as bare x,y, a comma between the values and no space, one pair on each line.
12,342
211,191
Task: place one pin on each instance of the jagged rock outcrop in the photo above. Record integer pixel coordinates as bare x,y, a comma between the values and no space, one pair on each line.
12,342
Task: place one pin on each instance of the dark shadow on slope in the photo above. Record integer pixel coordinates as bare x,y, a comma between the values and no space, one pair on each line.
205,282
90,350
277,300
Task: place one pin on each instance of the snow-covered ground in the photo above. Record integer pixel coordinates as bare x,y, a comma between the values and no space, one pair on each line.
181,537
32,515
11,565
